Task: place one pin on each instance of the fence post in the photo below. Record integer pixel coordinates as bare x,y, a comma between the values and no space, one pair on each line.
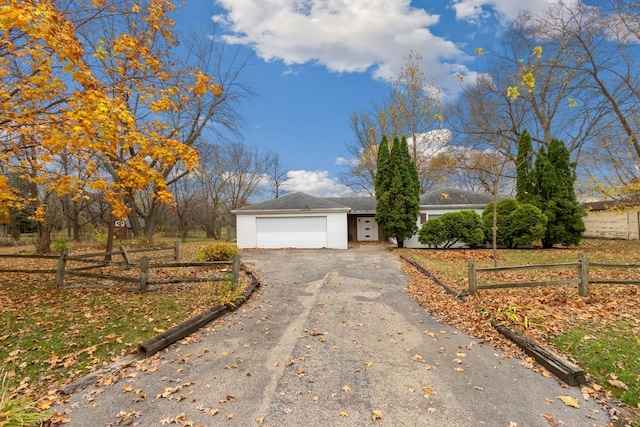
125,255
144,273
473,286
176,251
62,263
583,275
236,268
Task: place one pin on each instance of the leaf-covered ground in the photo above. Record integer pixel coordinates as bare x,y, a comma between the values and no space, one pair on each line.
543,313
50,336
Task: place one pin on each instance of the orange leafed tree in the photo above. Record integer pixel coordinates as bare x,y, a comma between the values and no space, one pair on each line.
61,95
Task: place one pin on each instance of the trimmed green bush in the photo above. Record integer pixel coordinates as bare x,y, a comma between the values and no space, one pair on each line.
519,224
454,227
527,224
503,236
218,252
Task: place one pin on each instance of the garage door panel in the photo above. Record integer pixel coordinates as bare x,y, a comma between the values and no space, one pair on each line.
291,232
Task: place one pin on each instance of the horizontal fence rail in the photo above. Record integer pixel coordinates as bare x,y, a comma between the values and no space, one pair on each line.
582,279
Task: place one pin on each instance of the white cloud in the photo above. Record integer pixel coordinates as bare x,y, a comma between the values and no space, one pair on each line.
433,142
342,161
315,183
342,35
478,10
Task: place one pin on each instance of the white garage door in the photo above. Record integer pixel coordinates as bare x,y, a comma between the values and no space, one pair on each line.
292,232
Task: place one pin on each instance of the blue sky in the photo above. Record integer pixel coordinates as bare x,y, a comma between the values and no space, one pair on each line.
316,61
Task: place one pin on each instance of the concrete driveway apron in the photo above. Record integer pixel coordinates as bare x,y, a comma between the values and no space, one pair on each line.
330,339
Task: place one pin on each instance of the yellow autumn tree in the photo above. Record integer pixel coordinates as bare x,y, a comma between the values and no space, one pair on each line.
169,100
62,95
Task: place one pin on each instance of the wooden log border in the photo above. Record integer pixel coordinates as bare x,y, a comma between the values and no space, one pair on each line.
457,295
162,340
556,364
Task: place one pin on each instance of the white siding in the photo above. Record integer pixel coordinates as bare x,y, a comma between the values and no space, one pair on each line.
246,231
337,231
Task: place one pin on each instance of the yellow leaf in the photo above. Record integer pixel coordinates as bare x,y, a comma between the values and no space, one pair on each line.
513,92
127,389
344,414
346,388
368,363
570,401
377,414
537,52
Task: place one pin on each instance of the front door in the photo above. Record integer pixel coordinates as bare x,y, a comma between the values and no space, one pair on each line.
367,229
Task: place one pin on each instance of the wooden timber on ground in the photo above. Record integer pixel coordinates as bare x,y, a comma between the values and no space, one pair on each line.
556,364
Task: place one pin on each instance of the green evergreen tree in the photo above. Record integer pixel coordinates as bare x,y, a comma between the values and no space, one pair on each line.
381,181
398,202
555,196
413,170
524,169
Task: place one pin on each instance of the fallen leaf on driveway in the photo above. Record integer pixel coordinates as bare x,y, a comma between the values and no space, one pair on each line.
570,401
377,414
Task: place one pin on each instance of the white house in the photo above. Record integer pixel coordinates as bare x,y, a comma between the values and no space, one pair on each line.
303,221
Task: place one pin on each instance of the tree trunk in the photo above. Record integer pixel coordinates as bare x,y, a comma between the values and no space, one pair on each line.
43,242
110,233
494,229
14,227
76,221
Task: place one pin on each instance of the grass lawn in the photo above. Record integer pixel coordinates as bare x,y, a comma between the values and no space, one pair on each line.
601,332
50,336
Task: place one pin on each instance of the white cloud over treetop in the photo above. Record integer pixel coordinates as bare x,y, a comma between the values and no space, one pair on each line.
315,183
342,35
478,10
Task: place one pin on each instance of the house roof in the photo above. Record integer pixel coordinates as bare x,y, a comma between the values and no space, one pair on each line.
303,202
449,196
357,204
610,205
295,201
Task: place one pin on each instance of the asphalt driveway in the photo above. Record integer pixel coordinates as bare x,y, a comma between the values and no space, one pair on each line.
330,339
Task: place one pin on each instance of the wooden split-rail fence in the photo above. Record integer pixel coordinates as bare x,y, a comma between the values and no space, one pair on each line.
582,279
96,261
